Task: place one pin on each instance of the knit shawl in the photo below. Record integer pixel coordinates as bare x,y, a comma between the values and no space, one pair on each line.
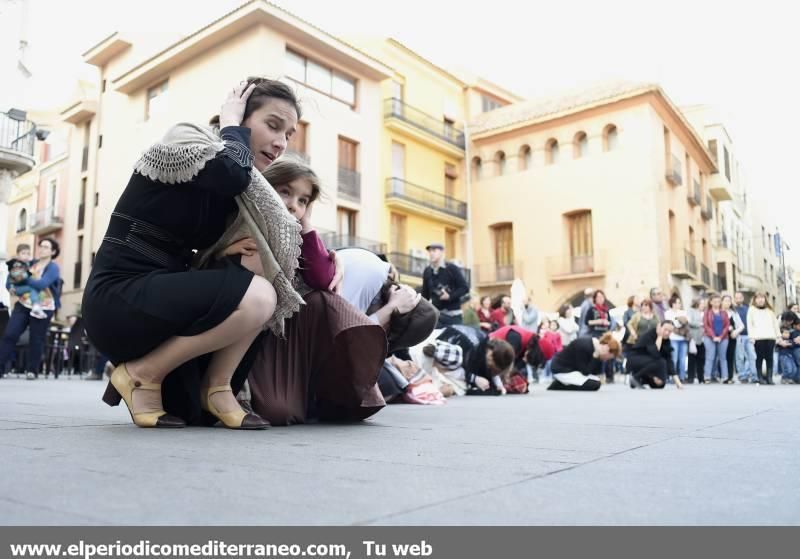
179,158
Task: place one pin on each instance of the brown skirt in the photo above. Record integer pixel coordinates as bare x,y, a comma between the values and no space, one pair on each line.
325,368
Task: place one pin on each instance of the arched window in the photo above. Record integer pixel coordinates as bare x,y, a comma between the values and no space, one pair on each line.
500,161
22,220
580,145
610,138
551,151
477,168
525,158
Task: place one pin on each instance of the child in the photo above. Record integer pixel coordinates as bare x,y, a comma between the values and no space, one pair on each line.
785,346
795,337
19,271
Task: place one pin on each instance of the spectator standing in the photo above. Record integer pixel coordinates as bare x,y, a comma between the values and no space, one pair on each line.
588,293
443,284
762,325
567,326
745,353
734,330
679,337
697,351
716,326
597,317
659,306
530,315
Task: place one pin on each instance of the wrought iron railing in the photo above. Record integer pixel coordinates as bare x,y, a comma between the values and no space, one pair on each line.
46,219
413,266
404,190
396,108
708,211
17,133
350,184
674,174
695,196
335,241
691,262
705,274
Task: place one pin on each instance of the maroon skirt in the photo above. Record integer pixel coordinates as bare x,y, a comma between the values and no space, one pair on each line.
326,367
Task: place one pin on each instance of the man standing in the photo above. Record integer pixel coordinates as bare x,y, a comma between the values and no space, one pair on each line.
530,315
588,294
443,284
659,307
745,351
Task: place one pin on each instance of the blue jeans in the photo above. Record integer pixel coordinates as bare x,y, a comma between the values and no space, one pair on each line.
716,351
746,359
680,349
20,320
789,370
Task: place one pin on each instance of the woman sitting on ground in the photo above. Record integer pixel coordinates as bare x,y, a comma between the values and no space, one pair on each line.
579,365
650,359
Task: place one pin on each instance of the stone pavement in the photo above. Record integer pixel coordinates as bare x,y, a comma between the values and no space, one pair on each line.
705,455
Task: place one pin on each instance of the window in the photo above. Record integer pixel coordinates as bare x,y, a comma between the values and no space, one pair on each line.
489,104
331,82
712,148
78,276
500,161
610,138
551,151
581,243
349,178
82,205
346,221
398,233
157,98
297,143
580,145
477,168
449,127
525,158
347,154
727,162
22,220
450,241
52,195
96,199
504,245
450,176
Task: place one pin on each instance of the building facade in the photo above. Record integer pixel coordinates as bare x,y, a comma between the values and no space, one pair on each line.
606,188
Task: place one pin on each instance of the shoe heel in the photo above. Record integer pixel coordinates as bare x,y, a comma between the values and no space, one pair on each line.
111,396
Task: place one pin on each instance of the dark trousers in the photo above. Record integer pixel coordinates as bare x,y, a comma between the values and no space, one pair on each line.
588,386
645,369
764,352
696,364
19,321
445,321
731,357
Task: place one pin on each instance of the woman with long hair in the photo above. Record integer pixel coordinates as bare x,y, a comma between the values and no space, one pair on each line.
148,310
716,326
697,351
597,318
678,339
762,326
735,327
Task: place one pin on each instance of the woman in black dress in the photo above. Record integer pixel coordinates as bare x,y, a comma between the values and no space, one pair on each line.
143,305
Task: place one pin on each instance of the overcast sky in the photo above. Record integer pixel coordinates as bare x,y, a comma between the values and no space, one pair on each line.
741,59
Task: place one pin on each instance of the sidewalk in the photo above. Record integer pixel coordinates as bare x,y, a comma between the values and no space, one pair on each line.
705,455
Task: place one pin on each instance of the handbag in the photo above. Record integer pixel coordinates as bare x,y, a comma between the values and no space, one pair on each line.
692,347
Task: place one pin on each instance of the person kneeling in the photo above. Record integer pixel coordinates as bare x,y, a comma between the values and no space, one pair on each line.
650,359
577,367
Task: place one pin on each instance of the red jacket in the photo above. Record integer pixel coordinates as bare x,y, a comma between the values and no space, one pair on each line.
708,324
499,316
546,345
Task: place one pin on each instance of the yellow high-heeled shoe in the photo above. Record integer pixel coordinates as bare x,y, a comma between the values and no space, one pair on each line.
122,387
237,419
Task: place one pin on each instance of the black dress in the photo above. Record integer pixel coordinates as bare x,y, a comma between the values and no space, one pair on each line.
141,291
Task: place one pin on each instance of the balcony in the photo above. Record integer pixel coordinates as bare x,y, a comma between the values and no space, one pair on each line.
80,111
46,221
349,184
490,274
568,267
421,200
695,197
17,137
749,283
424,127
686,267
708,212
412,266
335,241
724,249
720,188
704,281
674,173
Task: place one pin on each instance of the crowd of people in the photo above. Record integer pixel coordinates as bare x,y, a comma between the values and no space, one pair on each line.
216,302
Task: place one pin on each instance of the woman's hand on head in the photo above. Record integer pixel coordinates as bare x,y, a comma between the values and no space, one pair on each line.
338,275
245,247
232,111
305,221
403,298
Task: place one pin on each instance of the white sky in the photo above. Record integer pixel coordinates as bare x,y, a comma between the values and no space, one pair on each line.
741,59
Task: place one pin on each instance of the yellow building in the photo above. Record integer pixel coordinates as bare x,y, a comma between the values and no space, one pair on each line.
423,145
606,188
148,83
